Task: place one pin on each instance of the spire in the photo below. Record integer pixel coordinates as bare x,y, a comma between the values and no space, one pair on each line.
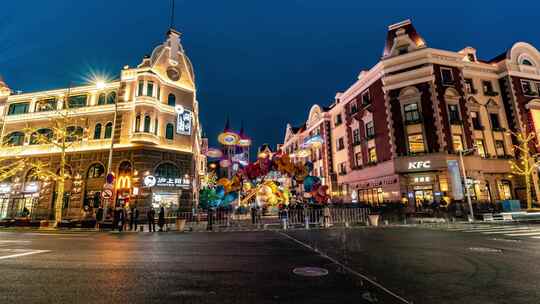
227,125
241,129
171,25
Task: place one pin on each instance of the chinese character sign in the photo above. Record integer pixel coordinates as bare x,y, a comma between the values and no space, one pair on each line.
184,122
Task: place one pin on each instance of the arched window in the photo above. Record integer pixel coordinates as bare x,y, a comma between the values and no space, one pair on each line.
74,133
169,131
167,170
101,99
147,123
97,131
171,100
111,98
41,136
96,171
526,62
108,130
31,176
14,139
138,123
124,168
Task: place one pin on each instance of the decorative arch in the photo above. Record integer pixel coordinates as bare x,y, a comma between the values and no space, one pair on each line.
95,170
45,132
125,168
167,170
108,130
451,93
171,100
409,92
111,98
521,51
101,99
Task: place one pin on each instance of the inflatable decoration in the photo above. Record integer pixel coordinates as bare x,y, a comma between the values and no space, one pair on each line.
214,153
224,163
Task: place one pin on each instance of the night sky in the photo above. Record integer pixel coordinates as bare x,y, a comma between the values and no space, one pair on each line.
264,62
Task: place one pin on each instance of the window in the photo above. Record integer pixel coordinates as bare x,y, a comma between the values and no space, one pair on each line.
155,126
370,130
108,130
499,148
372,154
18,108
453,113
477,124
158,96
457,142
354,108
138,123
150,88
342,168
15,139
495,123
403,50
339,121
471,57
41,136
416,143
447,77
77,101
111,98
74,133
340,144
479,144
505,189
527,88
469,86
147,123
101,99
356,137
526,62
488,88
96,171
171,100
97,131
167,170
358,159
46,105
366,98
537,85
140,88
412,115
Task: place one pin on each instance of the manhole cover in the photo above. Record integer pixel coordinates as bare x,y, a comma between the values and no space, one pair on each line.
310,271
485,249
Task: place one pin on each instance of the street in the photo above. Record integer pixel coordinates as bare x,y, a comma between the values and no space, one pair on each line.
365,265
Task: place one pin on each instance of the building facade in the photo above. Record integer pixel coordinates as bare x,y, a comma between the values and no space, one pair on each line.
397,132
156,139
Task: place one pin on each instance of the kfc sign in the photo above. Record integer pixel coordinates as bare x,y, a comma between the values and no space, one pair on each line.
415,165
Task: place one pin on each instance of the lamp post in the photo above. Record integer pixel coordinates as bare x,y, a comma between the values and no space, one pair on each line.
461,152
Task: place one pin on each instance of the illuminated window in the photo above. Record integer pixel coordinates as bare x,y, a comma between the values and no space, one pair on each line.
111,98
372,153
140,88
453,113
41,136
416,143
457,142
505,191
96,171
46,105
15,139
412,115
479,144
171,100
358,159
499,148
167,170
150,88
356,137
370,130
108,130
74,133
97,131
101,99
18,108
77,101
147,123
169,131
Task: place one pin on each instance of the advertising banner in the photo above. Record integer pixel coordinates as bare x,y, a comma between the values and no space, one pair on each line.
455,179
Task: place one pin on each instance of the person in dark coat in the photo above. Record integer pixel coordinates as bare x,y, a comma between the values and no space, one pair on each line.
135,215
116,216
151,216
121,218
161,218
131,217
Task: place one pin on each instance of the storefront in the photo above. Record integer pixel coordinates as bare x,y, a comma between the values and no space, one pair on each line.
167,187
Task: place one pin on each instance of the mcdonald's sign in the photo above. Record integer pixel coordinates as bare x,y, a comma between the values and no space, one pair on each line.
123,182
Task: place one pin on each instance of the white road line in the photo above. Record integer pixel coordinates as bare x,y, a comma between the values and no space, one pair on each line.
16,255
512,231
523,234
57,234
13,241
346,268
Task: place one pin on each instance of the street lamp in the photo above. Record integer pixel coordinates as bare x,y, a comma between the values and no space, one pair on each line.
461,152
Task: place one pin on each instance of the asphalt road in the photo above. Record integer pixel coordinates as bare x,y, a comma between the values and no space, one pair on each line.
169,268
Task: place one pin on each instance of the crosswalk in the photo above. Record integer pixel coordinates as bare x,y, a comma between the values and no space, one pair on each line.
494,230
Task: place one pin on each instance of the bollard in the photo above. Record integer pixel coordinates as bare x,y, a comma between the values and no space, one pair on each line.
346,224
284,224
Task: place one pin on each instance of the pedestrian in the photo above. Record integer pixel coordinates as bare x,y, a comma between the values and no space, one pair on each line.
99,217
131,216
116,216
150,215
135,214
161,218
253,212
121,219
326,216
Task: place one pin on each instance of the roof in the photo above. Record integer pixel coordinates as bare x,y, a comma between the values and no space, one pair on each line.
392,29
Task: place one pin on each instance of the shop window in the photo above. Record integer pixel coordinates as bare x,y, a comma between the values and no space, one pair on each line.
101,99
356,137
140,88
96,171
167,170
453,114
74,133
44,105
476,122
138,123
457,142
505,189
416,143
77,101
495,122
18,108
150,88
108,130
111,98
447,77
15,139
171,100
340,144
479,144
372,154
169,131
147,123
412,115
499,148
370,130
41,136
97,131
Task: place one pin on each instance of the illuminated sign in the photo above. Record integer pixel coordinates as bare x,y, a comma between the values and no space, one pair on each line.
183,121
419,165
123,182
151,181
31,187
5,188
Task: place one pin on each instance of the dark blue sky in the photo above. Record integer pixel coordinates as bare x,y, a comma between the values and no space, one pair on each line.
265,62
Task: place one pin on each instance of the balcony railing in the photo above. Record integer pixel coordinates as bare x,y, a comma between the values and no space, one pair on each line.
491,93
145,137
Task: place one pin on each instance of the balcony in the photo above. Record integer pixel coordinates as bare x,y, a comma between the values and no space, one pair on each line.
145,138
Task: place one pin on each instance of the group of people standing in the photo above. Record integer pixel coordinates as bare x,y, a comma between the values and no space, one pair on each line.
123,216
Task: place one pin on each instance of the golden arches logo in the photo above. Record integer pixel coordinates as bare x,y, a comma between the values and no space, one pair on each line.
123,182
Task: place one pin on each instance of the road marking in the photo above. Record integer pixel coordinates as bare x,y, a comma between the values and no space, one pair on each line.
13,241
512,231
57,234
346,268
16,255
479,229
523,234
